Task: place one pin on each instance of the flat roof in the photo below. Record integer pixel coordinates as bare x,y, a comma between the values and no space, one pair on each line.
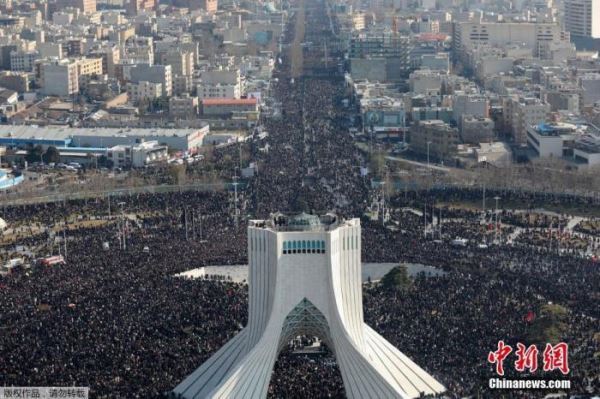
229,101
64,132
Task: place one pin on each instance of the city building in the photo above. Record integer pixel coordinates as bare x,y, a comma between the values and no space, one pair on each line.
469,104
183,107
496,153
23,61
154,73
85,6
547,139
220,83
586,149
305,279
227,106
22,136
181,62
137,155
476,129
89,66
532,35
17,81
520,113
590,85
434,139
426,82
59,78
380,57
144,91
582,18
436,62
133,7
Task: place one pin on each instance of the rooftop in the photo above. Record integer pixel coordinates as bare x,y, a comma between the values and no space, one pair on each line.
555,129
63,132
229,101
302,222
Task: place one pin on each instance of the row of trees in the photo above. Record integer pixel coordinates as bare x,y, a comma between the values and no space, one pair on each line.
37,154
52,155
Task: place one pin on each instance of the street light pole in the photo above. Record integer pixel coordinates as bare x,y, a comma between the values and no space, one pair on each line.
497,199
428,143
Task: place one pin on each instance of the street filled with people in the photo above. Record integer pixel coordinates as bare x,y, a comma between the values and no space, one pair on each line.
115,317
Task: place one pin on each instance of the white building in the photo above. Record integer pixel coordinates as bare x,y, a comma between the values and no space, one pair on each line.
144,91
138,155
496,153
547,139
305,279
155,74
586,149
220,84
582,18
483,33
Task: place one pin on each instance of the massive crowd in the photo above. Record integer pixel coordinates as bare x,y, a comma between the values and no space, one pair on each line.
117,319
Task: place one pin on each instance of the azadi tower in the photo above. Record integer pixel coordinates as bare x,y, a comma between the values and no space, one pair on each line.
305,279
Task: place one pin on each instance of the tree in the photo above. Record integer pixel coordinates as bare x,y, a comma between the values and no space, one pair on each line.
34,154
104,162
397,279
550,325
51,155
177,173
377,163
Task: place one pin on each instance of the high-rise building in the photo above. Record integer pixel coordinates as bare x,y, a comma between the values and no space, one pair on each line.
382,57
134,6
305,279
582,18
86,6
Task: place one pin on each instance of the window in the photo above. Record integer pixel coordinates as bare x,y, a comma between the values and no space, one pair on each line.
296,246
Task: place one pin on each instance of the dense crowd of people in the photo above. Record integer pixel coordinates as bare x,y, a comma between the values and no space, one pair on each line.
116,317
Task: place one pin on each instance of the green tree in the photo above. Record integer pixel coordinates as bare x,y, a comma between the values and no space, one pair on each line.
34,154
51,155
104,162
377,163
550,325
397,279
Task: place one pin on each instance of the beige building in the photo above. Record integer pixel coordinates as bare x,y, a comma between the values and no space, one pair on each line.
183,107
468,35
85,6
522,112
476,129
89,66
111,56
434,137
182,62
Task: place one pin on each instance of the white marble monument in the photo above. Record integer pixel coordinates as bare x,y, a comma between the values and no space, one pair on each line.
305,279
